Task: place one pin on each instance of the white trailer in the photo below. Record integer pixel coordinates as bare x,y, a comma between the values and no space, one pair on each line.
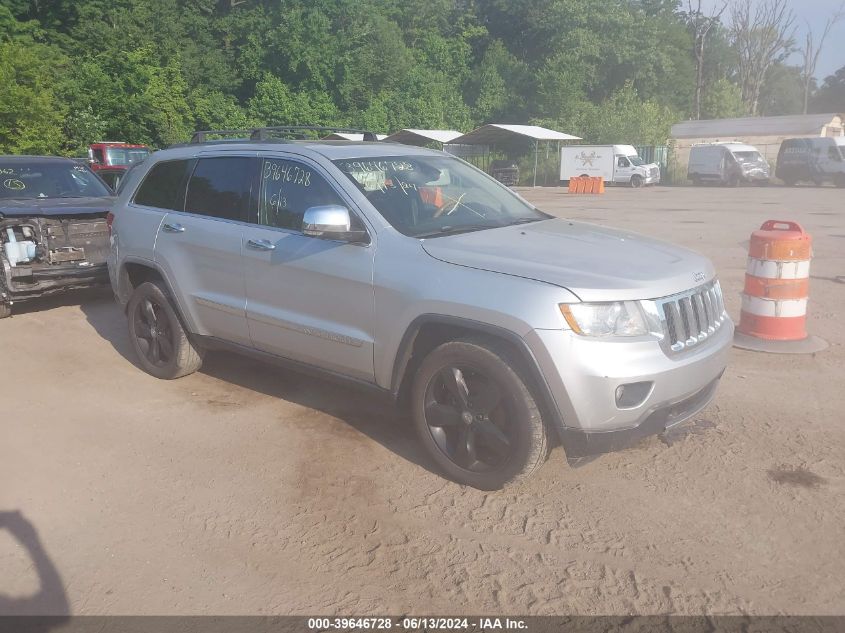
617,164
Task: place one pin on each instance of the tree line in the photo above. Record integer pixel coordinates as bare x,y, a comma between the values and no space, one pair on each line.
153,71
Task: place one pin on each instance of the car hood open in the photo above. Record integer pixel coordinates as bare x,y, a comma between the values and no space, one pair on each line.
595,263
54,207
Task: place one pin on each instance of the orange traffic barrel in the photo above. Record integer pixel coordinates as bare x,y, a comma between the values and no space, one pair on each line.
777,290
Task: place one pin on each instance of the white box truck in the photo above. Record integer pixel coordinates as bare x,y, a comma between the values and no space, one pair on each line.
617,164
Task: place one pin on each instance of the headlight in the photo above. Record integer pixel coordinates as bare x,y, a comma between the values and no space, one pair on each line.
620,318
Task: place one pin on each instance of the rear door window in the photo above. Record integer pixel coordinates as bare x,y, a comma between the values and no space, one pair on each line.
164,186
221,187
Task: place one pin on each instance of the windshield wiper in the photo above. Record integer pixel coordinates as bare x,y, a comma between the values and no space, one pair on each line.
525,221
459,228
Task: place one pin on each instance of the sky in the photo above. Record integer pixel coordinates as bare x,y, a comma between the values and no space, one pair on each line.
816,13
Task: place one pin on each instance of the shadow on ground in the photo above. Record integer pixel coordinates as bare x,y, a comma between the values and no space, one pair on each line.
376,417
50,599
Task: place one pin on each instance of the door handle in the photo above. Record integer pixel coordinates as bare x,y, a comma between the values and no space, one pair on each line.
261,245
173,228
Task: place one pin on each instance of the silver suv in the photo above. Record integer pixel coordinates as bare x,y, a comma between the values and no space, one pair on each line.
410,272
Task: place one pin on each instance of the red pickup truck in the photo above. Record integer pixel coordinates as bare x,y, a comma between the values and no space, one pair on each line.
115,155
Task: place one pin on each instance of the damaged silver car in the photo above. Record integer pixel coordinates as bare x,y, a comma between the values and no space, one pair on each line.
54,233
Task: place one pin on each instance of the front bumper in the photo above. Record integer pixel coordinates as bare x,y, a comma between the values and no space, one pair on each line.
756,176
652,180
23,283
583,375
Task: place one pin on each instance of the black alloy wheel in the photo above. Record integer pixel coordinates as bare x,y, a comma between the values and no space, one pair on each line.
476,415
154,332
467,417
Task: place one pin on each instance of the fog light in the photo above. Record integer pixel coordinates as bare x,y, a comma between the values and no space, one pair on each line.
632,394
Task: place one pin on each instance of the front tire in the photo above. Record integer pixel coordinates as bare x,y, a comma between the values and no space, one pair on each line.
5,310
476,416
161,343
636,181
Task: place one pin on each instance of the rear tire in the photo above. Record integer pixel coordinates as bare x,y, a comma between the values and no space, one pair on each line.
161,343
476,416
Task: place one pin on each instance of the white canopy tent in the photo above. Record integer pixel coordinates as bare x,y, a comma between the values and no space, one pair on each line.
349,136
410,136
509,135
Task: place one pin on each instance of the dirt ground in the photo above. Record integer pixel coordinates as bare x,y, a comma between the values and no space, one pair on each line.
246,489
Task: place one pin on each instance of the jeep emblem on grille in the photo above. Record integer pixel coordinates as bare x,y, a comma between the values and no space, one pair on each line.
699,276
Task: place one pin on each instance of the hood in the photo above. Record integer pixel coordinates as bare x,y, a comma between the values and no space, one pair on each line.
54,207
595,263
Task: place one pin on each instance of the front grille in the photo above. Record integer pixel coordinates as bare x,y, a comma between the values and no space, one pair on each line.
691,317
654,171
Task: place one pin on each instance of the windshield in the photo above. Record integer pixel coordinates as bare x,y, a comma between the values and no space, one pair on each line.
126,155
426,196
636,160
748,157
57,179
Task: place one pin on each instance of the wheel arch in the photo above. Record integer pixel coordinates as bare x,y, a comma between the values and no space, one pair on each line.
134,272
428,331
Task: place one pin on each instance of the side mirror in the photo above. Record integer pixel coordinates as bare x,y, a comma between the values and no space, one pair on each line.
331,222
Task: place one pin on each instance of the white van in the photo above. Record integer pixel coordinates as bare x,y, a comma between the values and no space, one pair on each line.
618,164
727,164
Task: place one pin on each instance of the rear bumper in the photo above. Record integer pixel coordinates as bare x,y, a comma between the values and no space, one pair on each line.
584,374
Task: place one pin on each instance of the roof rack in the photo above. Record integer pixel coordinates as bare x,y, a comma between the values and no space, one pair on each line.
202,135
266,133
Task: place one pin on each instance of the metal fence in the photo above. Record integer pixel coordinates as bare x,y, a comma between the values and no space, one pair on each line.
672,161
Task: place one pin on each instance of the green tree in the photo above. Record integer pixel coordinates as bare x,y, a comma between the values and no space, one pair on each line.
723,100
831,96
31,116
625,118
782,91
274,103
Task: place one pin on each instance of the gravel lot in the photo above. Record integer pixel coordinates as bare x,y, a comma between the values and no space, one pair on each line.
248,489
